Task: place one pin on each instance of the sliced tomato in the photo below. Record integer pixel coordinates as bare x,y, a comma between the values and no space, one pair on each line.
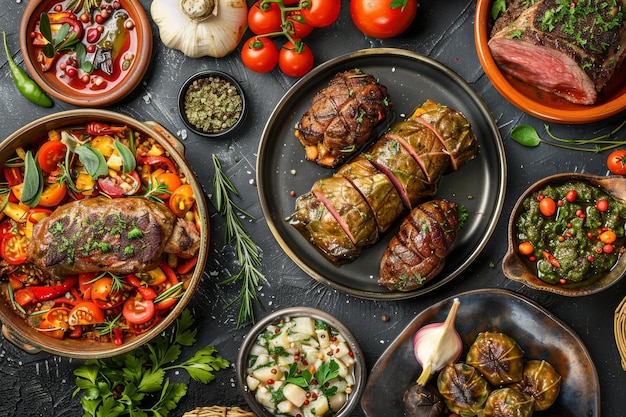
53,194
56,323
85,313
50,154
121,184
13,243
138,310
182,200
105,296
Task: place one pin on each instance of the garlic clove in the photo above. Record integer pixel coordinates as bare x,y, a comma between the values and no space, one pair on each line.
437,344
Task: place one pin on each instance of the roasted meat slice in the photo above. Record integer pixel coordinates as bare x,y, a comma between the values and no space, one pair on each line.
376,188
121,236
572,55
342,117
314,221
416,254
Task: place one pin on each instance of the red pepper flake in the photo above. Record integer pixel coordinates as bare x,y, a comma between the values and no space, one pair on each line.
531,258
277,330
313,395
351,354
270,381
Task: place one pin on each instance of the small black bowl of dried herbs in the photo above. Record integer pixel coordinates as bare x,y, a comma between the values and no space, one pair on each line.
212,104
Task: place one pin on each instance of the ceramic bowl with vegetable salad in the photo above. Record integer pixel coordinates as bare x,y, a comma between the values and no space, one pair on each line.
301,362
104,233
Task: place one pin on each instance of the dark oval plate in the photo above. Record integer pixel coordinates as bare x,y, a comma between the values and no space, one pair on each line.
410,79
541,335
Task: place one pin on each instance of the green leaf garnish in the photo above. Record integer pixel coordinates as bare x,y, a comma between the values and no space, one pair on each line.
128,159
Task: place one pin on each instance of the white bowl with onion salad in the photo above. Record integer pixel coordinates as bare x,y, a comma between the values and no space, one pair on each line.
301,362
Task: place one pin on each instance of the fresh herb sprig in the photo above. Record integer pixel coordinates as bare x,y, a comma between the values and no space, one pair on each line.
528,136
118,386
247,251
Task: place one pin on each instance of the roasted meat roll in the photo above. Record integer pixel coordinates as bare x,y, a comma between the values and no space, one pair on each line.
349,211
342,117
417,253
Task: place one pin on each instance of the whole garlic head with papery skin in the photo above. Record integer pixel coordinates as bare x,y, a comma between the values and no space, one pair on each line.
200,28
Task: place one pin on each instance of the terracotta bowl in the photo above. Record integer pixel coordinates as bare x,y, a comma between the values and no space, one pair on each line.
77,92
516,269
360,367
539,103
14,327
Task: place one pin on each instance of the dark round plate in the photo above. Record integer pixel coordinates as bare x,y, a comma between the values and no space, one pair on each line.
540,334
410,79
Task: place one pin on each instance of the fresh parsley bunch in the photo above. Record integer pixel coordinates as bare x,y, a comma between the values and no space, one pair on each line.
136,383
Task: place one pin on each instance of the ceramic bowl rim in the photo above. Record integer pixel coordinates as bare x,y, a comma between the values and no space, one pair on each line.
360,367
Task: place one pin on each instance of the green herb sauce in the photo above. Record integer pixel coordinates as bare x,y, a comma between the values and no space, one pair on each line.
572,234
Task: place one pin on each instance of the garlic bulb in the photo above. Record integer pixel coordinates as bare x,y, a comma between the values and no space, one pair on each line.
201,27
438,344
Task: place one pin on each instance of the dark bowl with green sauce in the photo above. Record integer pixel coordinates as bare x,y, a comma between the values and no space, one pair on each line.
212,104
515,265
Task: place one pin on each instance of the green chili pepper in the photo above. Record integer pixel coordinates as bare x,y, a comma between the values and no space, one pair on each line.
25,85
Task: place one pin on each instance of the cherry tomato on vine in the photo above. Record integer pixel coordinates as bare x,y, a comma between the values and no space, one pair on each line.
50,154
616,162
320,13
295,60
259,54
296,26
265,19
383,18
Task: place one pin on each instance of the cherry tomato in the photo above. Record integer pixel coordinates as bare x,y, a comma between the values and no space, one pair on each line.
320,13
85,313
296,26
571,196
85,282
616,162
295,60
266,19
51,330
171,180
382,18
602,205
120,185
526,248
138,310
547,206
53,194
50,154
259,54
104,295
182,200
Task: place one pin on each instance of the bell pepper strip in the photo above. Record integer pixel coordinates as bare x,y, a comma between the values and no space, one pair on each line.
96,129
118,336
38,213
550,258
50,292
187,265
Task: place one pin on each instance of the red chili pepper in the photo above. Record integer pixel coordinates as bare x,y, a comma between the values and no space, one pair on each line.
118,336
49,292
133,281
76,332
153,160
95,128
550,258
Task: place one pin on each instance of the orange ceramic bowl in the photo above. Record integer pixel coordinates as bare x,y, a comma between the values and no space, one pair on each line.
538,103
100,89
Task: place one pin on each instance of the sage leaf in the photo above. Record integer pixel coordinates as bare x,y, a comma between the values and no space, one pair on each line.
93,160
128,159
62,34
525,135
44,26
33,181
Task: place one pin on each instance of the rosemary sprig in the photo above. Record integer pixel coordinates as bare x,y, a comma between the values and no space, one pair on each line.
247,250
